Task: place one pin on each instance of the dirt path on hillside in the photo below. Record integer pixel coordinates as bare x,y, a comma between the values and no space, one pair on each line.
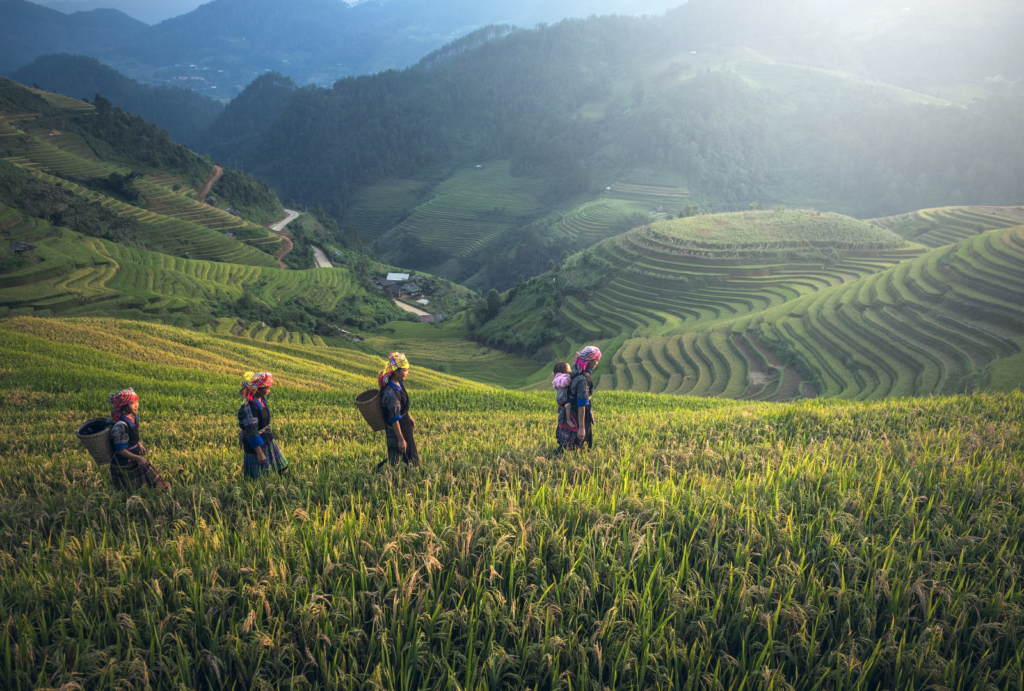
205,190
410,308
286,247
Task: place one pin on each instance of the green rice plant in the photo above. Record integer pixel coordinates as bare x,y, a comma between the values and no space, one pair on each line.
701,543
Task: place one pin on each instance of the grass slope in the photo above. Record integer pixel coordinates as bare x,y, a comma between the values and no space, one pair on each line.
174,222
78,275
819,545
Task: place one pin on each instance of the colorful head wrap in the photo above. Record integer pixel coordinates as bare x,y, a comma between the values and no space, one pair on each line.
119,399
396,361
253,381
587,355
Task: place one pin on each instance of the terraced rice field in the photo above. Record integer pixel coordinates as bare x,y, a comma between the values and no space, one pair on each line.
593,221
447,347
932,325
376,208
82,275
671,199
472,208
175,223
672,282
945,226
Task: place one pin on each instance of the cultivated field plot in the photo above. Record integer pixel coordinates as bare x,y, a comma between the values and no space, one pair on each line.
701,544
175,223
376,208
683,276
78,275
945,226
936,324
447,347
472,207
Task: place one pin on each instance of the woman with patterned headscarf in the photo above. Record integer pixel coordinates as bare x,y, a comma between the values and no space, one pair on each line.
578,429
394,403
129,469
260,453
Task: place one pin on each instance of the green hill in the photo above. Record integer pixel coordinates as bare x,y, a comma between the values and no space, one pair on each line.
825,542
778,305
602,122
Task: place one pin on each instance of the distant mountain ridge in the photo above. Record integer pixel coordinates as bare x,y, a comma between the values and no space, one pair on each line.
308,40
184,113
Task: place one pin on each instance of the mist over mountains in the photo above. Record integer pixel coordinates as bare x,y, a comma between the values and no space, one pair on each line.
221,46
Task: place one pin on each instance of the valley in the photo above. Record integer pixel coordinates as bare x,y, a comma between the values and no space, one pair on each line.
793,228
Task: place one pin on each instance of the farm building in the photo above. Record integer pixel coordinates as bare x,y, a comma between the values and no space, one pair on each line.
212,201
411,288
398,277
431,318
20,248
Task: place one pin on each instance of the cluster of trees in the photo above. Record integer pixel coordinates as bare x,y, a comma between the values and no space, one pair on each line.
118,137
62,208
253,199
515,94
117,185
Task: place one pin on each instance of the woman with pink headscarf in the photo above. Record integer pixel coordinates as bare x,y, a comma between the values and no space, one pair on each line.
260,453
129,469
578,428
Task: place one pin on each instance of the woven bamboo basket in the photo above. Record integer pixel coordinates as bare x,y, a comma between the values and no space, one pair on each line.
95,437
368,403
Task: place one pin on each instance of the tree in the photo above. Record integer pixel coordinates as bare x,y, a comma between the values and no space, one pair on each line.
493,302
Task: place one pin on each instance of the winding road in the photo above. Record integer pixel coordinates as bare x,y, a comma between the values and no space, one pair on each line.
321,259
279,226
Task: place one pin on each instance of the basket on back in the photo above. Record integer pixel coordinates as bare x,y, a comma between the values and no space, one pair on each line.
95,437
368,403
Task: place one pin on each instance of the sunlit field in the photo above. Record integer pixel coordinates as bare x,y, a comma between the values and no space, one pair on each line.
701,544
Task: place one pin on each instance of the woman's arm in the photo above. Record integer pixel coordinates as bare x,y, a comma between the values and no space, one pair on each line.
397,426
125,453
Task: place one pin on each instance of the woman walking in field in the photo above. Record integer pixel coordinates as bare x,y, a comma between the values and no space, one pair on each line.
260,453
394,403
129,469
578,428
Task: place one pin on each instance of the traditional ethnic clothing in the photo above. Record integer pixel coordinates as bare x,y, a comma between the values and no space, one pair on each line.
119,399
581,388
254,432
128,473
396,361
394,403
253,381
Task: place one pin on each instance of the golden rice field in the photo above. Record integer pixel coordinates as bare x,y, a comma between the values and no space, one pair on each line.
701,545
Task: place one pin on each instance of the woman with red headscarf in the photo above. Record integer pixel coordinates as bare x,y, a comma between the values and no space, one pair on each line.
260,452
578,429
129,469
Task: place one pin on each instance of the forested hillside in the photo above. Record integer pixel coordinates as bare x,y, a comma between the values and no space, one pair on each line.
105,204
586,109
183,113
229,42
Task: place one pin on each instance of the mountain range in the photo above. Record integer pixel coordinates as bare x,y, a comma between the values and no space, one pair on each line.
221,46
